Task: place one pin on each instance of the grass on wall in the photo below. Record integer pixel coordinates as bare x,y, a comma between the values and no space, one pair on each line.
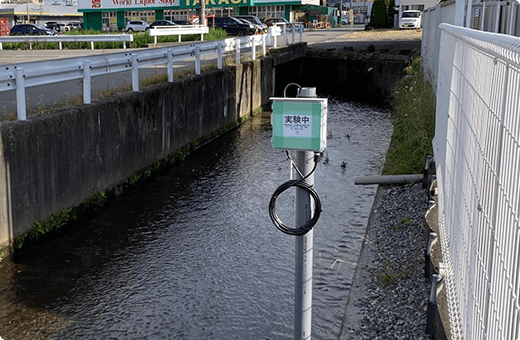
414,124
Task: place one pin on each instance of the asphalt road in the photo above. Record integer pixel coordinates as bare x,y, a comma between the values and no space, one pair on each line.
59,93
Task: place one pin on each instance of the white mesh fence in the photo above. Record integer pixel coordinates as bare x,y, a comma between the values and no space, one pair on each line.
477,152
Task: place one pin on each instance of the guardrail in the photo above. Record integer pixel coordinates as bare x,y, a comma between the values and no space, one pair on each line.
281,29
477,154
178,30
67,38
19,76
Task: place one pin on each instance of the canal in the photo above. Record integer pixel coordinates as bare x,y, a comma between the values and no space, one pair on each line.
191,252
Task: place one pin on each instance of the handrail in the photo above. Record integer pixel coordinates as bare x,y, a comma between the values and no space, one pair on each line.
281,29
178,30
67,38
20,76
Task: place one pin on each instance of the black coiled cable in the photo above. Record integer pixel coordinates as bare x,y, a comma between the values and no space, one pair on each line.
300,183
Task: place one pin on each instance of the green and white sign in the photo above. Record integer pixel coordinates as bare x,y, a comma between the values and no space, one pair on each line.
299,123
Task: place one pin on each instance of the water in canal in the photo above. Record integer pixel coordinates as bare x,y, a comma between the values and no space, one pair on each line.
192,253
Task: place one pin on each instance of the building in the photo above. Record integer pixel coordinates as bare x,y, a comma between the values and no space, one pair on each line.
37,13
113,14
420,5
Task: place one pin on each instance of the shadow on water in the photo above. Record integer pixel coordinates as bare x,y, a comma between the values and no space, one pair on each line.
191,253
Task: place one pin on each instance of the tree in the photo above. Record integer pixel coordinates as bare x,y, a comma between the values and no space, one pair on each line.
390,12
378,14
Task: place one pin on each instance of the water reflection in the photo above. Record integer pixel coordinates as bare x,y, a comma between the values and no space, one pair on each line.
192,253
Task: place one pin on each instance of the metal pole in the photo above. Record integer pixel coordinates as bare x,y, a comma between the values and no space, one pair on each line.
304,253
304,244
87,92
20,94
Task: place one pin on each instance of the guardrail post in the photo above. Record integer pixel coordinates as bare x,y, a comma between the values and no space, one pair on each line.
170,65
301,32
219,60
263,44
92,45
293,34
135,73
237,50
1,46
197,59
284,34
273,35
253,48
61,47
86,82
124,45
20,94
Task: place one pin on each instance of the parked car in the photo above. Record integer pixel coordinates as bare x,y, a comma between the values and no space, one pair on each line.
231,25
53,25
31,29
136,26
260,26
161,23
75,25
410,19
270,21
182,22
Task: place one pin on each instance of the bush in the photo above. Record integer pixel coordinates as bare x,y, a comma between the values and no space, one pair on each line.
414,124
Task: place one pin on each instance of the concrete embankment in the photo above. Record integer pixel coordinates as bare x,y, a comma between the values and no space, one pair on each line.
59,160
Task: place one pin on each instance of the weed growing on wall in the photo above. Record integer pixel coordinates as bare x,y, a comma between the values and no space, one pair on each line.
414,124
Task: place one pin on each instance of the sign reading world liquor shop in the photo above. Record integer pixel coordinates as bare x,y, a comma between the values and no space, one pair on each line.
149,4
118,4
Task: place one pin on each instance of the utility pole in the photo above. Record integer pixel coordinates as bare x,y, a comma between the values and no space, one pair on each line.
202,15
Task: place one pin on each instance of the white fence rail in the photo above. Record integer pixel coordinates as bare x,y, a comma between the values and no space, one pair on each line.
67,38
19,76
477,152
178,30
283,29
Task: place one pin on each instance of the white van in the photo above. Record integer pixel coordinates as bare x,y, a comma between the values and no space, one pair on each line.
410,19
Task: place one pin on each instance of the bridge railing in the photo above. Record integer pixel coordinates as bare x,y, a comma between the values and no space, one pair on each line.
477,153
67,38
179,30
19,76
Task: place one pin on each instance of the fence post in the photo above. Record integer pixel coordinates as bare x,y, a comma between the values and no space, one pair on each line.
197,59
170,65
263,45
253,47
301,32
92,45
20,94
237,47
293,33
284,34
135,73
86,82
219,60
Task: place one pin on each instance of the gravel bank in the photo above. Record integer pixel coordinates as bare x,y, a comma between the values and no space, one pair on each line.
390,294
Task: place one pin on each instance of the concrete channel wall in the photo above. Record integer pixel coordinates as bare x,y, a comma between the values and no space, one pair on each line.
59,160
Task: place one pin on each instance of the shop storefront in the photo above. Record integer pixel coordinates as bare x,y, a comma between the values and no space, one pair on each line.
112,15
